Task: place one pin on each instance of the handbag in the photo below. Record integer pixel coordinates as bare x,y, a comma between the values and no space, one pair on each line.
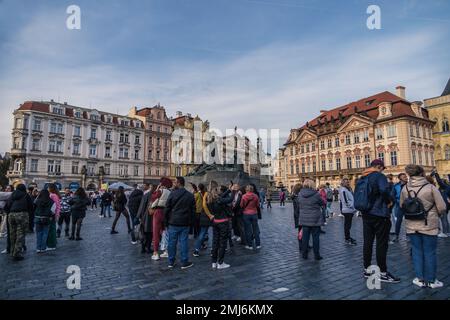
300,235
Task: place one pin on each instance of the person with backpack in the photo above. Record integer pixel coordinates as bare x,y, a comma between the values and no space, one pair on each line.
397,210
347,209
78,205
373,199
45,209
422,204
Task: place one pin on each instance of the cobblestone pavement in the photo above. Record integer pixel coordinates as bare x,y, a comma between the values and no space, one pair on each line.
113,268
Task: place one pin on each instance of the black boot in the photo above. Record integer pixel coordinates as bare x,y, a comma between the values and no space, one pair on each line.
58,233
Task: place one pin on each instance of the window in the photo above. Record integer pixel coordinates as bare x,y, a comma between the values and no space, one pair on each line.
356,137
349,162
431,158
137,139
330,144
296,167
324,168
394,158
54,166
330,164
322,145
107,152
338,164
58,110
178,171
158,129
36,145
291,151
53,126
367,160
91,169
77,131
150,154
136,171
302,149
136,154
34,165
78,114
381,156
419,156
75,165
166,156
379,133
157,171
303,167
347,139
123,138
414,158
92,150
108,119
94,133
55,146
417,130
16,143
108,135
426,157
107,168
392,132
411,130
60,128
123,153
314,167
94,117
37,125
445,126
307,147
18,124
447,152
336,142
158,116
358,161
313,146
76,148
158,155
366,136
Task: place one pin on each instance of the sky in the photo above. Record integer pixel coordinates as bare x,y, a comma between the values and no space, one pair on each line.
262,64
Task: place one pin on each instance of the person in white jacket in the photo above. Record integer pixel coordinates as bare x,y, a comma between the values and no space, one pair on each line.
347,209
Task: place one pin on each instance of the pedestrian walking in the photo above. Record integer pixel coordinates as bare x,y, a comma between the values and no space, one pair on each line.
45,209
444,188
310,206
179,216
4,226
373,199
269,200
55,196
282,198
78,206
422,203
120,202
347,205
19,208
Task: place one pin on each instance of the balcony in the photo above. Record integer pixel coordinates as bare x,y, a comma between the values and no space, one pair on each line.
54,174
14,173
77,154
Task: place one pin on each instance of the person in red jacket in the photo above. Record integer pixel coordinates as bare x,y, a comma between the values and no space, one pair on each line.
250,206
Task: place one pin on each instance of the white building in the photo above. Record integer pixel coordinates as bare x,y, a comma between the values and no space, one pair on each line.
54,142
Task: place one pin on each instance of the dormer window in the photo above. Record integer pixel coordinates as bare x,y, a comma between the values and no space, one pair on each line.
58,110
78,114
124,122
109,119
94,117
137,124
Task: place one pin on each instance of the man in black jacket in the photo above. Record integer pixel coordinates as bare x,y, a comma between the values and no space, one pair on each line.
179,216
19,208
106,200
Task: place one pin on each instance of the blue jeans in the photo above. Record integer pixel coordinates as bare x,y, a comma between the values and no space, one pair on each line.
424,256
315,232
251,229
182,234
398,212
445,225
104,208
41,236
201,237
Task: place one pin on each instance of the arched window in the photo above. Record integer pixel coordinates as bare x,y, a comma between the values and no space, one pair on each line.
447,152
445,126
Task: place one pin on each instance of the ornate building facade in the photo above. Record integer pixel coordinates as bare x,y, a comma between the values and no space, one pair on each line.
74,146
439,111
343,141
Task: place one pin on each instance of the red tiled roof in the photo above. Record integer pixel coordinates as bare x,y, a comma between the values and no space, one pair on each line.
33,105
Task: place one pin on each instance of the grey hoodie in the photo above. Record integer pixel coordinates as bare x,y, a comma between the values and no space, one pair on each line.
310,206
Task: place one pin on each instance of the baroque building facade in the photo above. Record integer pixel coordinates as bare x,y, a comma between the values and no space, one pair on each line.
74,146
343,141
439,111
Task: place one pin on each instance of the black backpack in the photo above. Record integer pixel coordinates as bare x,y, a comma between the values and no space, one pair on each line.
413,207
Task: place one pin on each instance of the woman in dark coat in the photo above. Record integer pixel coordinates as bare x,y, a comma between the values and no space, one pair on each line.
310,206
120,202
78,206
146,223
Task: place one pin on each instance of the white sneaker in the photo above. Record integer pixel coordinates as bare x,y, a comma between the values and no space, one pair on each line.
233,238
340,215
223,266
238,239
4,251
248,247
258,247
436,284
155,257
214,265
165,254
133,242
442,235
50,249
419,282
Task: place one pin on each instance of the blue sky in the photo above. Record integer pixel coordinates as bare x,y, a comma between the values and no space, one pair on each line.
247,63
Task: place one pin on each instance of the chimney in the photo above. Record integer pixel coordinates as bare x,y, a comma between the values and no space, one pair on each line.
179,113
400,91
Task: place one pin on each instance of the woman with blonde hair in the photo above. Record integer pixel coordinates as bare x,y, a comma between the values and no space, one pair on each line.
311,207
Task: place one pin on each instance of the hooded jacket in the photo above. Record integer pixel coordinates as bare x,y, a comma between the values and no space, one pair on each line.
20,201
310,206
431,198
380,193
79,206
347,200
250,203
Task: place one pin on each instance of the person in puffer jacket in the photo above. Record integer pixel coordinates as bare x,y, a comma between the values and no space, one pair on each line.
64,216
348,209
423,233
